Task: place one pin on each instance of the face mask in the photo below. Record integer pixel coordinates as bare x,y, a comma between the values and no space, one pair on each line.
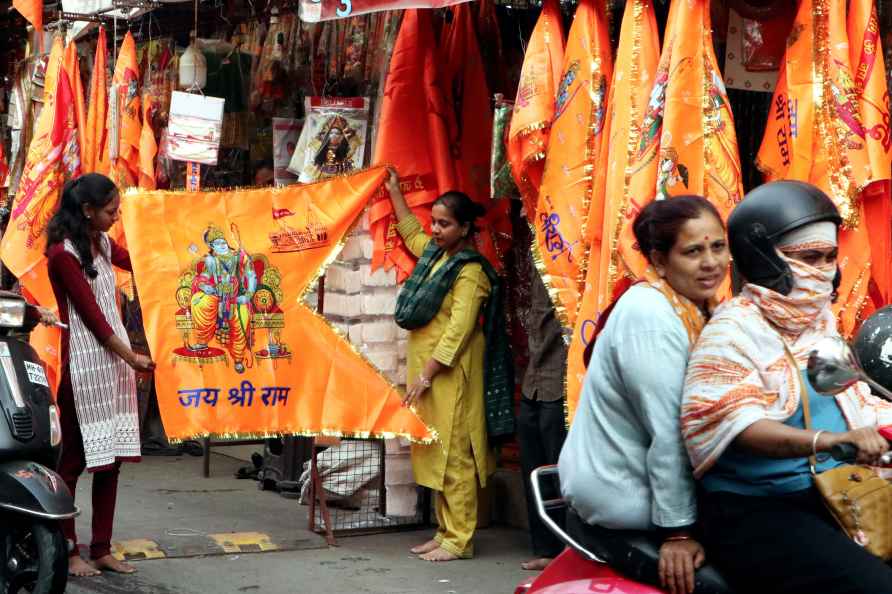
811,279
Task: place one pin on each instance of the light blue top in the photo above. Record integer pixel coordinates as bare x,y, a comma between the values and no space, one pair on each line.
747,474
624,465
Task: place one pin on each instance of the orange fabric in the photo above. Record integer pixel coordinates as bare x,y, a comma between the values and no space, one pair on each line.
816,134
95,157
125,82
295,373
40,187
32,10
868,67
148,148
566,195
470,124
534,105
71,65
419,152
611,252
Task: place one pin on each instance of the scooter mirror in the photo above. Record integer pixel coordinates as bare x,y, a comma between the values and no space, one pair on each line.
833,367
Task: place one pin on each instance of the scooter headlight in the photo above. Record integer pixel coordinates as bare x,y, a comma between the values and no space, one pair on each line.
12,313
55,426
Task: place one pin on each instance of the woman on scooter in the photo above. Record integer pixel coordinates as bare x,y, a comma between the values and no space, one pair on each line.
623,468
97,392
765,525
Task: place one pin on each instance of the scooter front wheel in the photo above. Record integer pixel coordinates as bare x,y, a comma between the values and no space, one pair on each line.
34,558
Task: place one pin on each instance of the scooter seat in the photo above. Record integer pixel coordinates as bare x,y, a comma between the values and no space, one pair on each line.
636,554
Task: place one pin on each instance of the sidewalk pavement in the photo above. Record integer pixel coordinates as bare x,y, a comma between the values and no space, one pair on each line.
168,515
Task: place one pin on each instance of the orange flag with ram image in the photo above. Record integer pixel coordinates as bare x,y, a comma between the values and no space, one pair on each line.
869,69
611,252
575,143
815,133
94,151
222,279
534,105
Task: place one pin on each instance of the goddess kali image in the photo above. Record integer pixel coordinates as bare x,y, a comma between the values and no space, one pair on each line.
333,149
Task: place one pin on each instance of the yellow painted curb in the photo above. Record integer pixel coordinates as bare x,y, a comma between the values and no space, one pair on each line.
128,550
243,542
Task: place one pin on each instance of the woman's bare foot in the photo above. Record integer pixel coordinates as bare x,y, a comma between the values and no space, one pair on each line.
439,555
110,563
425,548
77,567
536,564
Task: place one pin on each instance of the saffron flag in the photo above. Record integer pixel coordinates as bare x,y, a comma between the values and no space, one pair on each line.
413,136
574,147
612,251
43,175
534,105
148,147
470,125
868,67
72,68
95,156
32,10
815,133
222,282
123,137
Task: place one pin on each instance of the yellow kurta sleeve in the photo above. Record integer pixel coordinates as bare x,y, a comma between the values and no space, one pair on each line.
413,235
470,290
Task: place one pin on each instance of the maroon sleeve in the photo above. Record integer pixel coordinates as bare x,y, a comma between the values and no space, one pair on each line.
65,272
120,257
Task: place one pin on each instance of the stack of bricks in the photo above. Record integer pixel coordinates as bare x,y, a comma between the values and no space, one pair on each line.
361,304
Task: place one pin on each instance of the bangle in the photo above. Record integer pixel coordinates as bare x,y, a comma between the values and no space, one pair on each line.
424,381
678,537
814,442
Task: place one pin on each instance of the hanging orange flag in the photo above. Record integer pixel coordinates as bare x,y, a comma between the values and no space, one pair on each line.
95,156
866,55
574,148
816,133
470,122
72,68
123,137
612,253
32,10
419,152
222,278
54,141
534,105
148,147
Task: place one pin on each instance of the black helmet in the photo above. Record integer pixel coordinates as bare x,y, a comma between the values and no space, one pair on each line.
873,345
766,213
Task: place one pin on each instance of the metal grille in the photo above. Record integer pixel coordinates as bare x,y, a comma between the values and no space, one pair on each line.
352,475
23,425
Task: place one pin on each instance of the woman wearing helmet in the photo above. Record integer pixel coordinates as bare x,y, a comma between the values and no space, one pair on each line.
766,527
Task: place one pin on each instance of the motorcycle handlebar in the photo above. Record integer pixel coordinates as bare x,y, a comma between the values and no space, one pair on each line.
847,452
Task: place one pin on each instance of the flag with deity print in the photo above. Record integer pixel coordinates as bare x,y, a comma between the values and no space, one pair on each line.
815,133
222,278
575,143
611,253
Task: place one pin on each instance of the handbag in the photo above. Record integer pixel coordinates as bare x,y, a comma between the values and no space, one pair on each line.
857,497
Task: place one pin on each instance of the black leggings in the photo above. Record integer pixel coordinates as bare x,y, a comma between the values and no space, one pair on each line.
786,545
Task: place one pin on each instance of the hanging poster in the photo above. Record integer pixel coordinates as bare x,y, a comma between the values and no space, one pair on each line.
286,133
333,138
222,281
196,124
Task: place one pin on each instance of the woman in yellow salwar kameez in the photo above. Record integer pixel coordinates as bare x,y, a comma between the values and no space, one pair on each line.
460,378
